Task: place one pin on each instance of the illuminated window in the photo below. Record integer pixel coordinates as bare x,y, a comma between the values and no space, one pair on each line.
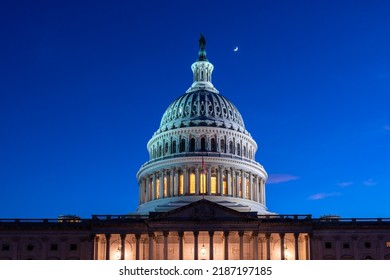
150,187
202,183
192,183
181,184
213,184
157,187
239,187
387,244
165,186
224,184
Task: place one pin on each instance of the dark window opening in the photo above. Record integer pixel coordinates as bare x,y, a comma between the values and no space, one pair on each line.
328,245
30,247
73,247
54,247
5,247
203,144
182,145
192,145
213,145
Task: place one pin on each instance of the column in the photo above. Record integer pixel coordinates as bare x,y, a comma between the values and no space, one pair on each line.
171,184
123,246
151,236
166,233
296,240
181,234
263,191
186,181
241,236
308,238
139,192
229,181
154,186
196,235
236,183
268,245
250,186
144,182
226,249
197,181
176,183
257,196
161,187
211,245
96,248
282,256
208,180
337,245
137,238
355,247
255,236
243,184
108,237
220,180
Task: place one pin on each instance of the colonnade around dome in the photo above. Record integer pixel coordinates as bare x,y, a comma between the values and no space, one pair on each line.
200,179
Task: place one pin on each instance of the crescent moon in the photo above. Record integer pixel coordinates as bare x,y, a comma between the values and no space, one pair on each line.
235,49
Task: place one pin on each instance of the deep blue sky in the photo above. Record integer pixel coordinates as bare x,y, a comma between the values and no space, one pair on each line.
84,85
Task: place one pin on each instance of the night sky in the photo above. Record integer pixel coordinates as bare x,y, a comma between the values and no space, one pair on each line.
84,85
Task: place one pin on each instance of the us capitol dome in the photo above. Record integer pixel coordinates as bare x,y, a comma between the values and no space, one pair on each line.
202,150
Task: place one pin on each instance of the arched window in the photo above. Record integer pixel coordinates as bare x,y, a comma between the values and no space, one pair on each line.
223,148
192,145
202,144
166,149
182,145
159,151
231,148
238,149
213,145
173,149
244,151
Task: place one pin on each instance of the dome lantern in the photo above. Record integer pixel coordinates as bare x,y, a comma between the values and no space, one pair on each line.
202,70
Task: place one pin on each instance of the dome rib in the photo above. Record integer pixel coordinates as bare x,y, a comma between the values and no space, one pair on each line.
202,108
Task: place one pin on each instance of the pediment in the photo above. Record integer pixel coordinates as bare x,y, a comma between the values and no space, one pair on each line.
203,210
